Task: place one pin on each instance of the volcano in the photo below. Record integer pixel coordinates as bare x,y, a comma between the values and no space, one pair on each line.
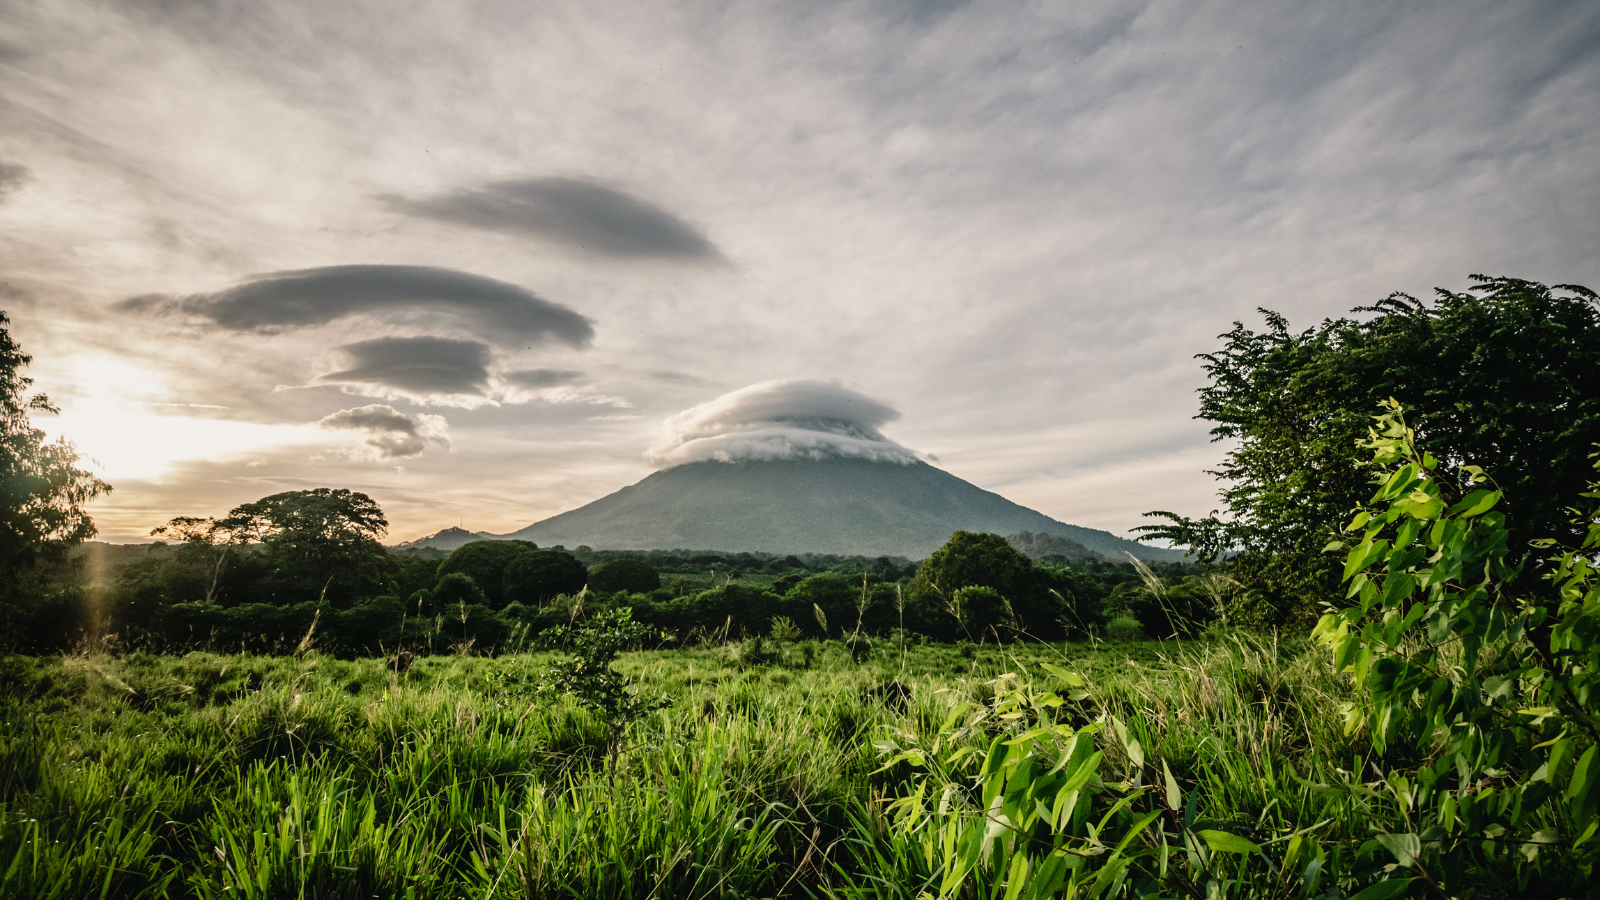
833,505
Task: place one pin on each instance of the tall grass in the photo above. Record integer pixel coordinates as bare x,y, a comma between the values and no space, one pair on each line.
213,775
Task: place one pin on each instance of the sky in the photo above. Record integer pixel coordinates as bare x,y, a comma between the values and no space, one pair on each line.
489,261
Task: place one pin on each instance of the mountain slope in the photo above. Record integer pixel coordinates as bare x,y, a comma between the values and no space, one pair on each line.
837,505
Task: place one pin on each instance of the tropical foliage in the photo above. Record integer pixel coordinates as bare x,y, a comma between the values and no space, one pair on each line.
1501,376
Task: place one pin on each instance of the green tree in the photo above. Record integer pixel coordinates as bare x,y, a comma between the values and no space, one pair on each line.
1453,652
538,576
486,562
1503,375
625,574
208,546
1039,602
320,544
42,491
453,590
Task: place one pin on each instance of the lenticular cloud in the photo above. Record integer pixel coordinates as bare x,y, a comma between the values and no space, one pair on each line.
797,419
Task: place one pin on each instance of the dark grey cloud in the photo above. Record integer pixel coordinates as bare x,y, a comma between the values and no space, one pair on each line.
419,368
12,177
542,378
574,211
303,298
390,434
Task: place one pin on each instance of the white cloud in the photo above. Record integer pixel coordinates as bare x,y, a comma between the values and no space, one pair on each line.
794,419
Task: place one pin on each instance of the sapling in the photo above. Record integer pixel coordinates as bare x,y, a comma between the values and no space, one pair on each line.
588,676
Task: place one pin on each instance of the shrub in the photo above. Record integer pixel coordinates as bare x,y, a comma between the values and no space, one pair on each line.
587,674
623,575
485,562
538,576
1453,651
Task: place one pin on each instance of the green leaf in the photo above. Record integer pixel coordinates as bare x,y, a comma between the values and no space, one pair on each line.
1070,679
1223,842
1172,786
1405,847
1383,890
1583,775
1476,503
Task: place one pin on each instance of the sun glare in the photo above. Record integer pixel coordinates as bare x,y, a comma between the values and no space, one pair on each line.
120,438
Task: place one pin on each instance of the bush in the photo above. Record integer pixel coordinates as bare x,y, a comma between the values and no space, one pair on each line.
1452,652
370,628
623,575
538,576
453,590
485,562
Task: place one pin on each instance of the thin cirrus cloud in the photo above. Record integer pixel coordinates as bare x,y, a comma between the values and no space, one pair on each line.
390,434
421,369
572,211
788,419
303,298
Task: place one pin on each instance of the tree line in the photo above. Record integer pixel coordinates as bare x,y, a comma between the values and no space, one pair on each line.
305,568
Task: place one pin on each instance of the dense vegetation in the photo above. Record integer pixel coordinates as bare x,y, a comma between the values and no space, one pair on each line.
1502,376
226,588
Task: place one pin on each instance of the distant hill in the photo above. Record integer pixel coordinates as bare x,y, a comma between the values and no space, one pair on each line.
1038,546
448,539
835,505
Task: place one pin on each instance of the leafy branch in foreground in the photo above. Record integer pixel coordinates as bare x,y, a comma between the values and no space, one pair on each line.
1048,814
1501,688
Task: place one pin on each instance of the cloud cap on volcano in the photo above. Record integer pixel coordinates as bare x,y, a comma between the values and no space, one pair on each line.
786,419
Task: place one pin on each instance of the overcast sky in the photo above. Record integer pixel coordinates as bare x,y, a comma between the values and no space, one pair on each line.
469,257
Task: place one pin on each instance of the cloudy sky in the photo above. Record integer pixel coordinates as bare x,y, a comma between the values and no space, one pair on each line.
470,257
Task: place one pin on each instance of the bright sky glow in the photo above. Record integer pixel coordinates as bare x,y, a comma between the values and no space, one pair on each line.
128,442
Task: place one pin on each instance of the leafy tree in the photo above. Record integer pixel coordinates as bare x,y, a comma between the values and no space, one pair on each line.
1502,375
1039,602
970,559
538,576
42,490
486,562
848,603
453,590
783,584
208,545
981,611
631,575
320,544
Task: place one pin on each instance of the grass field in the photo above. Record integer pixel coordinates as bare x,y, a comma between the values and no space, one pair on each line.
236,776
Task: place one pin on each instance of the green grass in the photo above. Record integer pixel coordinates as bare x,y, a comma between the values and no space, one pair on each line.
212,775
